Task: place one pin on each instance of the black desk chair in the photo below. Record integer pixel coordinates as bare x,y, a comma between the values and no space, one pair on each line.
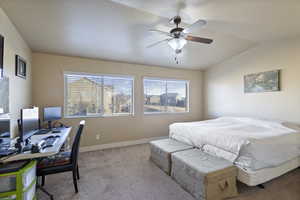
63,161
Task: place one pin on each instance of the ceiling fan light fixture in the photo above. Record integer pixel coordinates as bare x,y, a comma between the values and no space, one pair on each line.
177,43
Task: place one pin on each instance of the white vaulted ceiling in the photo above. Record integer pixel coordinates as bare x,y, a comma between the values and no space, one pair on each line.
118,29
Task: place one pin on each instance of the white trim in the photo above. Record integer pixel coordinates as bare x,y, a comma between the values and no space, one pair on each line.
119,144
166,113
120,76
153,78
101,116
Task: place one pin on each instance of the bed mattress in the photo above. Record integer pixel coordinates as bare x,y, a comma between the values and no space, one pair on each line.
251,144
253,178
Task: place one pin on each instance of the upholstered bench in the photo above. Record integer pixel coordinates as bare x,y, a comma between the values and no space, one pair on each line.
204,176
161,151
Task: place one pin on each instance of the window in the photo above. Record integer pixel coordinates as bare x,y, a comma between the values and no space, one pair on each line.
98,95
165,96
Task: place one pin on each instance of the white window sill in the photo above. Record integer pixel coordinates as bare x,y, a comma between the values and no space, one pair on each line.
166,113
100,116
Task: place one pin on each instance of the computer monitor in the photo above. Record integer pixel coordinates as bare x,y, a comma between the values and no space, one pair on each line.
29,123
52,114
4,128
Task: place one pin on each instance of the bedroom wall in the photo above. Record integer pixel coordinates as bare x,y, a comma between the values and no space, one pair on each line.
19,89
224,89
48,91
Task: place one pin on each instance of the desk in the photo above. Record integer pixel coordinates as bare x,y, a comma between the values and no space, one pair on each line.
50,151
65,132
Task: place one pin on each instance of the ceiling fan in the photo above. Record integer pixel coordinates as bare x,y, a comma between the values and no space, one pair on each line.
178,36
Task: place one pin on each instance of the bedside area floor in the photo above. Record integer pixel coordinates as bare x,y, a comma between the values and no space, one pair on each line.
128,174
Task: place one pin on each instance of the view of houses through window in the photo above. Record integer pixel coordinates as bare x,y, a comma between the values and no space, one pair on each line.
167,96
100,95
97,95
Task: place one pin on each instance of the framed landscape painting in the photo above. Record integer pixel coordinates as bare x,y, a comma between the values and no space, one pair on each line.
262,82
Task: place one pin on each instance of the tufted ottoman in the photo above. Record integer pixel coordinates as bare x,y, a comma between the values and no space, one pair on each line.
161,151
204,176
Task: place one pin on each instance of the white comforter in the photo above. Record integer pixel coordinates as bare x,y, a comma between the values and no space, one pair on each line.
250,143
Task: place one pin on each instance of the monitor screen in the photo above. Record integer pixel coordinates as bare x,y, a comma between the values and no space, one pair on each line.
29,122
4,127
52,113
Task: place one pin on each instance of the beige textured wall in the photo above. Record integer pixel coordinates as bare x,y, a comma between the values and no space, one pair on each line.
224,89
48,91
20,89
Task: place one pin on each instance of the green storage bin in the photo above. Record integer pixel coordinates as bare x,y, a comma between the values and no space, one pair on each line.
18,181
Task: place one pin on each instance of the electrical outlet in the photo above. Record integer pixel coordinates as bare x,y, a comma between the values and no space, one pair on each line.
98,137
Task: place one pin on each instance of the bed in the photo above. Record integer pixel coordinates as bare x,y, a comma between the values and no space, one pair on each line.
261,149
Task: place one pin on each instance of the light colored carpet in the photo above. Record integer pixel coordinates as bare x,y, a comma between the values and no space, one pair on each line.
127,174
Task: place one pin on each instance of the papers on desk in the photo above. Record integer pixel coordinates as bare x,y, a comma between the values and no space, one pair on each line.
65,132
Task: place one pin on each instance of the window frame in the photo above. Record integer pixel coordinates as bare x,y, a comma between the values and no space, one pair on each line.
102,114
167,79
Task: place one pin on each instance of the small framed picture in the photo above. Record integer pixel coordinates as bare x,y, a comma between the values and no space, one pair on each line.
20,67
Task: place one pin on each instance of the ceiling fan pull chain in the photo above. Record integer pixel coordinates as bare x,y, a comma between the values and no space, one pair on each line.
176,58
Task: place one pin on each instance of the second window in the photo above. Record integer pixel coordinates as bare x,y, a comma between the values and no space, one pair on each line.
165,96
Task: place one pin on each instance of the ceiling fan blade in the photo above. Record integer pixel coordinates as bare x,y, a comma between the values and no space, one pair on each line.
198,23
159,42
198,39
160,32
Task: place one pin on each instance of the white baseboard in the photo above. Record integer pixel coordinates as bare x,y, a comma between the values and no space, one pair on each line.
119,144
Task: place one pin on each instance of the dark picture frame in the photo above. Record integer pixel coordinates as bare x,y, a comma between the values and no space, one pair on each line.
20,67
1,55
